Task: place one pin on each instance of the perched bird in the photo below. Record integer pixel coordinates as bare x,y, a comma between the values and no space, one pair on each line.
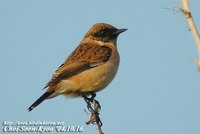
89,68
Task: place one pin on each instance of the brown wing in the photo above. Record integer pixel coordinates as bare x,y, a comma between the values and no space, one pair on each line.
84,57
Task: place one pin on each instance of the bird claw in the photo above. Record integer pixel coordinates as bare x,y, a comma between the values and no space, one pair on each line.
97,106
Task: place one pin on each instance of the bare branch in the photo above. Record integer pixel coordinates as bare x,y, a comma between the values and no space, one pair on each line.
188,15
94,111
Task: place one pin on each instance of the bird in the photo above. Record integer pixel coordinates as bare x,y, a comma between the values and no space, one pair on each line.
89,68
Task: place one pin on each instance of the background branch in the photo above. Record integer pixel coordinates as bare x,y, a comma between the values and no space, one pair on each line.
188,15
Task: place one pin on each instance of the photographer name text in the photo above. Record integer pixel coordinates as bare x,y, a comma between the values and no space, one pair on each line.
39,126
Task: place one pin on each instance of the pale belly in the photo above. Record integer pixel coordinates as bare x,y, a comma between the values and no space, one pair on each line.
97,78
92,80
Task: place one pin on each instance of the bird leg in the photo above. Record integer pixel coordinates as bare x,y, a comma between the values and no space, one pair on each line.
93,95
97,106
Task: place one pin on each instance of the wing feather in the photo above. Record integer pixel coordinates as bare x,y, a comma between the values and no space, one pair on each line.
84,57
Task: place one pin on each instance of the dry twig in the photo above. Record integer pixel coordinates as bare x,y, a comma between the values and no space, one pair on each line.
94,111
188,15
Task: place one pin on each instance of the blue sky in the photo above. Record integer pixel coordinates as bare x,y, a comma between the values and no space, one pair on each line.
156,90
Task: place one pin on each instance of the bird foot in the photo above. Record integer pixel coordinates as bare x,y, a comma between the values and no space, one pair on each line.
89,101
94,107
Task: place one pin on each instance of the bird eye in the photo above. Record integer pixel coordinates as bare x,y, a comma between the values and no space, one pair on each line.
102,33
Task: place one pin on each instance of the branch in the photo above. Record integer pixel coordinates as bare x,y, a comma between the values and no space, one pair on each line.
94,111
188,15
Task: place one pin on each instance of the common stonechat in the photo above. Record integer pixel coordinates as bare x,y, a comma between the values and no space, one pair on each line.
89,68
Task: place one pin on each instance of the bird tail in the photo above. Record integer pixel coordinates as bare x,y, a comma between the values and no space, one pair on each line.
40,100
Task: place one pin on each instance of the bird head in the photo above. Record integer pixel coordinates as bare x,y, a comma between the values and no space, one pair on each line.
103,32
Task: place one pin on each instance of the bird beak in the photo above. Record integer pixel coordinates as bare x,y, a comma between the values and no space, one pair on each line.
120,31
